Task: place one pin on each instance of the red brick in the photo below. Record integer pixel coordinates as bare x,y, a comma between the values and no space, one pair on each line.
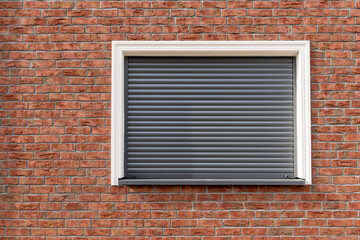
57,105
201,231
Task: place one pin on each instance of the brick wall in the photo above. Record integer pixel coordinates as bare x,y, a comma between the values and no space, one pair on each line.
55,133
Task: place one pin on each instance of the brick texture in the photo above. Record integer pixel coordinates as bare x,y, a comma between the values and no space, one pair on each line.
55,123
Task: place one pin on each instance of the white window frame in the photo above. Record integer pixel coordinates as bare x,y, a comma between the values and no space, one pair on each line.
298,49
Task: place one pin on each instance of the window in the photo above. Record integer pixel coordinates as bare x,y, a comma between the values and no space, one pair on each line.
234,113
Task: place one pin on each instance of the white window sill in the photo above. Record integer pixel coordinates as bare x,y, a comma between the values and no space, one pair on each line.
125,181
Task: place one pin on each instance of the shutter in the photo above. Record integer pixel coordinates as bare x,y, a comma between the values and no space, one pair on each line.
209,117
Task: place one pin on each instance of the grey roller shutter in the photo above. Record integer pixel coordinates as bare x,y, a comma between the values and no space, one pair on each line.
209,117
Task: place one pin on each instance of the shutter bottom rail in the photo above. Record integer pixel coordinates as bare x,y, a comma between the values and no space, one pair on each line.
294,181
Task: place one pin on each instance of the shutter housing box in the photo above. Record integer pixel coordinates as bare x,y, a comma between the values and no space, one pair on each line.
226,119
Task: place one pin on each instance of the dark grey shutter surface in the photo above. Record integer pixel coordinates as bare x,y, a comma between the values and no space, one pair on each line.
209,117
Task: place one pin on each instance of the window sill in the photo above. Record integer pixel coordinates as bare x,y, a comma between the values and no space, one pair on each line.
284,182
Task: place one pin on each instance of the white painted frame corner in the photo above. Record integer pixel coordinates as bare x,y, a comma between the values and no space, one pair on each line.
298,49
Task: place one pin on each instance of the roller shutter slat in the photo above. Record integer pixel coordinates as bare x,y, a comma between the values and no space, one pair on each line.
212,154
210,123
205,139
205,96
210,113
209,117
210,165
206,91
180,71
216,108
210,76
210,160
219,133
211,102
210,86
209,64
211,170
209,60
209,149
231,144
209,81
215,128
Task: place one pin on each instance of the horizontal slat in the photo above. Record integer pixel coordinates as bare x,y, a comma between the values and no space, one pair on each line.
211,102
211,154
211,139
209,81
213,91
212,118
212,170
211,160
211,123
215,128
210,149
211,75
216,113
214,108
207,96
215,60
193,133
215,144
201,71
210,86
173,165
207,65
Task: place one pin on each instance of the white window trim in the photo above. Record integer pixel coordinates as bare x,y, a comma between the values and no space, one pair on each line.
298,49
